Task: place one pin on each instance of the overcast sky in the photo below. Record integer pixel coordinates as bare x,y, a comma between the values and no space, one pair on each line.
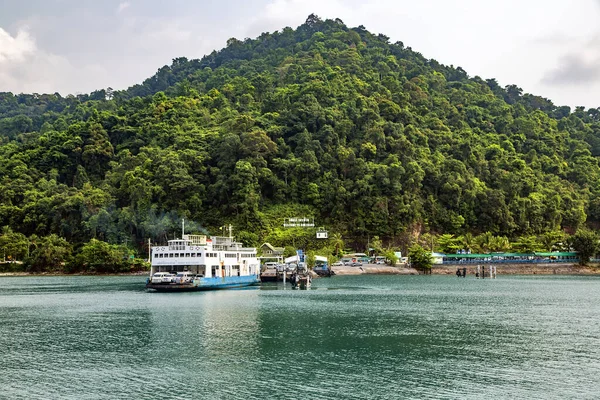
549,48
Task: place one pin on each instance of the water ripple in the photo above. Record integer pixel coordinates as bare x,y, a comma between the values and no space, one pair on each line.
376,337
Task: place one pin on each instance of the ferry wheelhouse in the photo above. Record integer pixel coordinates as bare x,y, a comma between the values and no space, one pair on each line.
197,262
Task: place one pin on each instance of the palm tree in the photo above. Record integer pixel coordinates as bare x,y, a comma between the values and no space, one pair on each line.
468,241
500,243
551,240
337,242
484,242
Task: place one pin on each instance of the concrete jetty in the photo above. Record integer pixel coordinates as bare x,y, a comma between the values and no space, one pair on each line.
374,269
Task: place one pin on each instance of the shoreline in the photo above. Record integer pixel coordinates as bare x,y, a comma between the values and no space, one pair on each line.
450,269
2,274
522,269
373,269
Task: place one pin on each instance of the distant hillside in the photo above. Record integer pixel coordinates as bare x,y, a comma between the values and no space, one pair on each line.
366,136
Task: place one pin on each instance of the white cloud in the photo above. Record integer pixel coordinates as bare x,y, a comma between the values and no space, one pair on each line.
123,6
26,68
15,49
578,65
507,40
288,11
103,44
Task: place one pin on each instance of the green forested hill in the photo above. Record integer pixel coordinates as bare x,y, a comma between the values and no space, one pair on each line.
368,137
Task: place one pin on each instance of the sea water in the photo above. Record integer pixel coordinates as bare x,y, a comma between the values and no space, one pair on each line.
348,337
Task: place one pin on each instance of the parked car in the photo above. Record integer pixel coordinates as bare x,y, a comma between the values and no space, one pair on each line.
162,277
337,264
356,264
183,277
286,267
269,265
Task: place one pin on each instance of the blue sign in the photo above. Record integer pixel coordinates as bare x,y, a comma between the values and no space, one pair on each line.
300,256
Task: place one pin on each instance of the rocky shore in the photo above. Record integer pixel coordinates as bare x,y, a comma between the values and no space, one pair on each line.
374,269
501,269
140,273
523,269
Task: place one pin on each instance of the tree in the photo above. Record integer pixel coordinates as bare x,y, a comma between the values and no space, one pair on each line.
586,243
376,245
468,241
310,259
369,136
100,257
528,244
449,244
289,251
337,242
14,245
555,240
50,254
420,258
391,257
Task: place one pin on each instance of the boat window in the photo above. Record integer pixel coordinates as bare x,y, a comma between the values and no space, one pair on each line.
187,254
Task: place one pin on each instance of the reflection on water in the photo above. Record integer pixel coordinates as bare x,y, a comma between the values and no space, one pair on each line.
350,337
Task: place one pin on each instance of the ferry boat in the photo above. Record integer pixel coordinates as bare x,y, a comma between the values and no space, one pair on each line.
198,262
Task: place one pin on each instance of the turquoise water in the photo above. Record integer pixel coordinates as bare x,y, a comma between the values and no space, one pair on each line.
354,337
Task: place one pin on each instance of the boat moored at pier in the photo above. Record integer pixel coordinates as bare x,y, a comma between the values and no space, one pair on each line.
198,262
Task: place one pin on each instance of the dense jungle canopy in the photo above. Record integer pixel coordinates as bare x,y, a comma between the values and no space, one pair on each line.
368,137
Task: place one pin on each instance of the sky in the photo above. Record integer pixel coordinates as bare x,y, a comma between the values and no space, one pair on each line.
550,48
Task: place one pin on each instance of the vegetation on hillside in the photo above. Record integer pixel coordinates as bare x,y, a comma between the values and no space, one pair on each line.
368,137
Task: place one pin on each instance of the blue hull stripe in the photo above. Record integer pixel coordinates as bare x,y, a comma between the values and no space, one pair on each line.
208,284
